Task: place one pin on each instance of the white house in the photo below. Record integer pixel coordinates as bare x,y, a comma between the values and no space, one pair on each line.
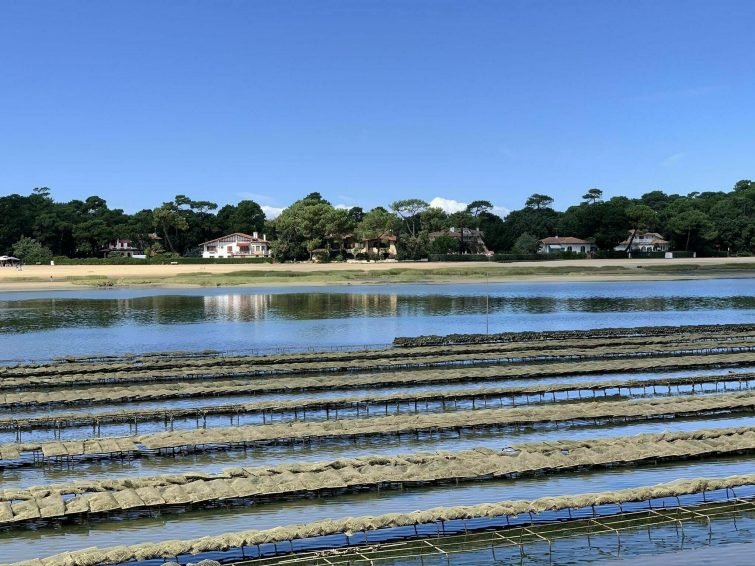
237,245
556,245
644,242
122,247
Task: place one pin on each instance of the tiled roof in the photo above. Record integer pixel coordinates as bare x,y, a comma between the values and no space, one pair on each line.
246,236
566,240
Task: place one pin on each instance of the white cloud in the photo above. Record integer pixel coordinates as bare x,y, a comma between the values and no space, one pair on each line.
271,211
448,205
500,211
343,206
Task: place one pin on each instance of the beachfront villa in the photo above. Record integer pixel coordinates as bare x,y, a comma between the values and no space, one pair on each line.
121,247
644,242
473,239
237,245
556,244
383,246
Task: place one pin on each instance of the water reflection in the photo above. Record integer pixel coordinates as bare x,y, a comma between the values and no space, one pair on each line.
14,544
47,314
61,323
297,306
236,307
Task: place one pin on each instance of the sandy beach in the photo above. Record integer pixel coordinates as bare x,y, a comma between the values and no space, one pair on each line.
46,277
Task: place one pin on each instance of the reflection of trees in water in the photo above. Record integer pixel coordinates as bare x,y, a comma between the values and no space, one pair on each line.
48,314
308,306
53,313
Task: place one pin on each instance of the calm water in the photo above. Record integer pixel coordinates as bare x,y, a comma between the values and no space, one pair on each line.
729,543
74,432
216,462
35,326
44,324
14,545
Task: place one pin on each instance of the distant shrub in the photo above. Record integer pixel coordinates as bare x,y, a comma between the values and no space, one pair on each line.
30,250
156,260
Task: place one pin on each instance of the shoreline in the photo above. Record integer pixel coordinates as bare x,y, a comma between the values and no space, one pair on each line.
87,277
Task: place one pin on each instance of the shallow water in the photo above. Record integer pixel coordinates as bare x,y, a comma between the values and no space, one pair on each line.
375,409
215,462
183,403
43,325
729,543
46,324
15,545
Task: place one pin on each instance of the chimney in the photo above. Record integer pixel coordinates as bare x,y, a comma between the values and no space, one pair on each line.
254,235
264,237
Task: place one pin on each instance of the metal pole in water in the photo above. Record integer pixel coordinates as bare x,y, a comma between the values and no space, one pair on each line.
487,304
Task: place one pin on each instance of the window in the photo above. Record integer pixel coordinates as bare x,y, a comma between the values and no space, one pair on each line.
212,249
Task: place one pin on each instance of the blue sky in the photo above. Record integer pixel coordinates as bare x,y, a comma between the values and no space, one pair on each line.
372,101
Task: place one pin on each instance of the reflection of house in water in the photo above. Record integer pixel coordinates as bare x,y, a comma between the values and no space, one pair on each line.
237,307
372,304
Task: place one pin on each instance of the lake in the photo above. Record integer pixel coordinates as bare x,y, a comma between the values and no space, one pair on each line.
41,325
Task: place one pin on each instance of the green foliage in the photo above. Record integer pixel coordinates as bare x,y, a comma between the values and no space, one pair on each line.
30,250
444,245
458,257
507,257
526,243
413,247
246,217
642,216
709,222
492,227
305,226
693,223
539,201
477,207
593,196
540,222
377,223
434,220
409,210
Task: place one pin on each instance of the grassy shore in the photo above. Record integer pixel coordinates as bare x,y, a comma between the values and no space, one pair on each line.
39,277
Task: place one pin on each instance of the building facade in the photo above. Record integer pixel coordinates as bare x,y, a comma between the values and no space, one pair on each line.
644,242
557,245
122,247
236,245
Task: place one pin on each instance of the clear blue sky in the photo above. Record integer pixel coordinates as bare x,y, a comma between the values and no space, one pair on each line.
371,101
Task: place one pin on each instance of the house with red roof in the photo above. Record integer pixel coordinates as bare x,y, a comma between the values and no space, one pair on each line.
560,244
644,242
236,245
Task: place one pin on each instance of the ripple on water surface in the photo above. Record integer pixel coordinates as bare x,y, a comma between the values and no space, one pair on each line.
215,462
46,324
15,545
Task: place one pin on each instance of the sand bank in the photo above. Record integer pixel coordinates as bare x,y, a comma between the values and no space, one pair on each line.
46,277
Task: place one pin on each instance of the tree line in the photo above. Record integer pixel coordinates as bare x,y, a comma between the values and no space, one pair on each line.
35,227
